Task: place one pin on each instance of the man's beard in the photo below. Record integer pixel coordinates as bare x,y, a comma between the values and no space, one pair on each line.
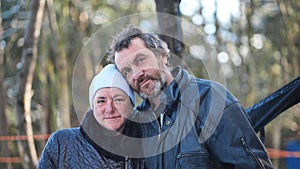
158,87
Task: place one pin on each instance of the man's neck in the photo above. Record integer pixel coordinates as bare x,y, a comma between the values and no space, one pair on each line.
155,102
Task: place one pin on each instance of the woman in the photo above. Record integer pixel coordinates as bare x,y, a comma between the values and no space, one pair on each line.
101,130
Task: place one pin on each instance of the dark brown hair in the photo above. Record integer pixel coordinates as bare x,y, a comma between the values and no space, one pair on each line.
123,40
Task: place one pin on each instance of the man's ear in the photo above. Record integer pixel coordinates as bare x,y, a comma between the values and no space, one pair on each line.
165,59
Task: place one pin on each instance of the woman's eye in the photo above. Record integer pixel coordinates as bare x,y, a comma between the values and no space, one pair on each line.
118,100
100,101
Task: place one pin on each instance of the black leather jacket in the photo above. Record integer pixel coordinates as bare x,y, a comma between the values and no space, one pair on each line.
199,124
79,148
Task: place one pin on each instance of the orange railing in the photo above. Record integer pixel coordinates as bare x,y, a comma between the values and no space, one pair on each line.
273,153
24,137
15,138
282,153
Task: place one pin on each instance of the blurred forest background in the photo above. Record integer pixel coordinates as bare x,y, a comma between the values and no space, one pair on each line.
257,43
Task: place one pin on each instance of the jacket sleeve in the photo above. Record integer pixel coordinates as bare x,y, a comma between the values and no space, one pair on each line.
49,156
234,142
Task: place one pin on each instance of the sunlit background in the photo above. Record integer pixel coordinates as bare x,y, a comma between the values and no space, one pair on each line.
255,46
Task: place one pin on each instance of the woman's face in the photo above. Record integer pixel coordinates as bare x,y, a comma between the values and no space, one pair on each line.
111,107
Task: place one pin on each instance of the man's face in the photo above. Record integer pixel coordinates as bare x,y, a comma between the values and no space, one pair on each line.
145,72
111,107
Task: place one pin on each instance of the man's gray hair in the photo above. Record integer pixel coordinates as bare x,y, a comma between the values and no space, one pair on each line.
123,40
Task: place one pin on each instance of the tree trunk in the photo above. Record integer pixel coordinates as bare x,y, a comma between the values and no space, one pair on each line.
24,85
170,27
44,88
277,139
250,62
63,115
4,151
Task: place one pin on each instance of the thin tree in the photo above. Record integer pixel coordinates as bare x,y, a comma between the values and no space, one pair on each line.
170,27
63,115
24,84
4,151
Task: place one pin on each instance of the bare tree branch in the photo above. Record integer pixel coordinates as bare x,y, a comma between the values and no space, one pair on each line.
24,85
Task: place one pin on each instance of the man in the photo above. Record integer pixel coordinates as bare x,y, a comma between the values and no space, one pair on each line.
191,122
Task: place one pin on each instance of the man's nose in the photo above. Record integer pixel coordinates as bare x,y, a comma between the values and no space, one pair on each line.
137,73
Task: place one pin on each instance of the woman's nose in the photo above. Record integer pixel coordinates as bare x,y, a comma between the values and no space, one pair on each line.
109,108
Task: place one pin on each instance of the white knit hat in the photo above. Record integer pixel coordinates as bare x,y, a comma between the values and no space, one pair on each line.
109,77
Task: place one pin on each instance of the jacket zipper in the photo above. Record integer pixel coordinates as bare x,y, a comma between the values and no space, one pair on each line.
252,154
126,162
159,126
189,154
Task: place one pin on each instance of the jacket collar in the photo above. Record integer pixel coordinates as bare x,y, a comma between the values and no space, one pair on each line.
100,137
93,129
170,95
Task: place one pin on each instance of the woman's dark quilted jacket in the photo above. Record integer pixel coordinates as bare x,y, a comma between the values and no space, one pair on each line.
73,148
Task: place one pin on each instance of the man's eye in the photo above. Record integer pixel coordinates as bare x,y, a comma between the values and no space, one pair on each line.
126,72
140,60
